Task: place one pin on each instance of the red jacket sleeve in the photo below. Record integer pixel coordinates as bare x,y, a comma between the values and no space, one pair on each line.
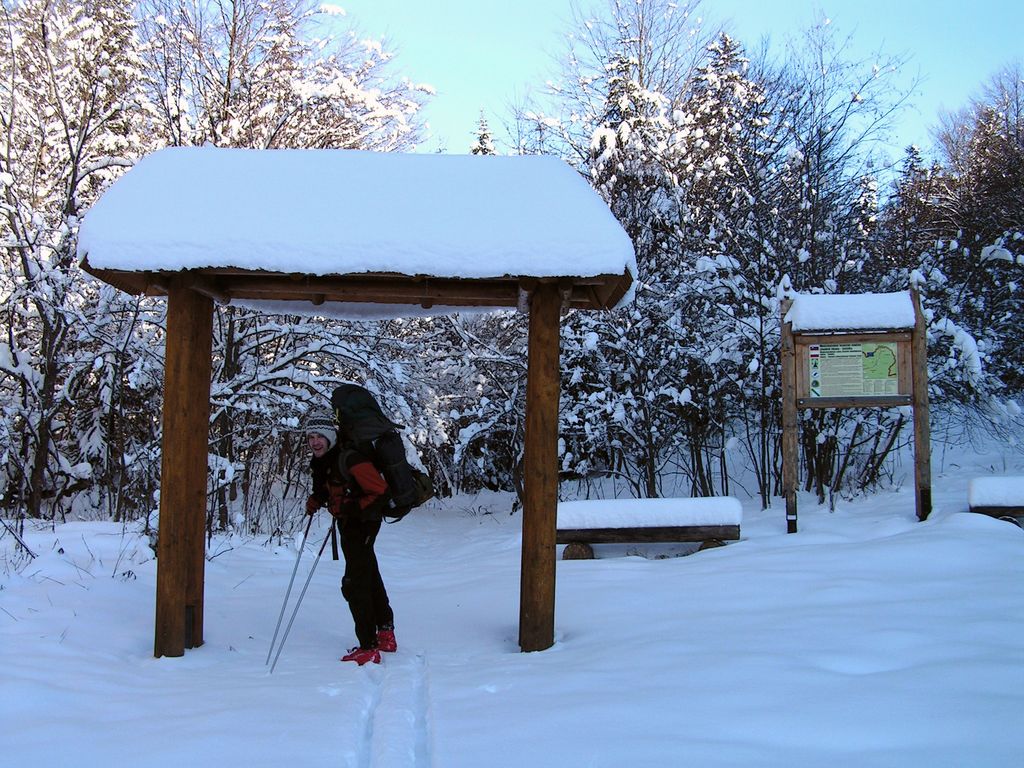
370,481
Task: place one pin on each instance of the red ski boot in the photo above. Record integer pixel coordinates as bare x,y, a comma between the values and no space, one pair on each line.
362,655
386,642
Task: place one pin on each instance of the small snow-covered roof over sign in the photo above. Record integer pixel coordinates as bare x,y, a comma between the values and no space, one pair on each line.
324,226
852,312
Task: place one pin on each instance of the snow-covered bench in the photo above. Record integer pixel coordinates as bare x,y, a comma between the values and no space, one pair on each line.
1001,497
645,521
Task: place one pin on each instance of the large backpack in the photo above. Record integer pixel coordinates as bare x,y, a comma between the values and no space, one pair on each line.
362,423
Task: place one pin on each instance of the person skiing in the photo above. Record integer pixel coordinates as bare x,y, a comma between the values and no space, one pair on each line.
355,493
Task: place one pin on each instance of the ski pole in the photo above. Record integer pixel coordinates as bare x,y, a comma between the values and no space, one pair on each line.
291,581
298,600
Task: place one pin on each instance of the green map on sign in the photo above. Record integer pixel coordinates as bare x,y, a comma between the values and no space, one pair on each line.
848,369
879,361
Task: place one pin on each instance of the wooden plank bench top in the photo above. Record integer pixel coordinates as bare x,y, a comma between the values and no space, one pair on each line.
648,534
648,521
996,496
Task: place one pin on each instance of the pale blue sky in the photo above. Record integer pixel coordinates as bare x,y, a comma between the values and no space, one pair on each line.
482,54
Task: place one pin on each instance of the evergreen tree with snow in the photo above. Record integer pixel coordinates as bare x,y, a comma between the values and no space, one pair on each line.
727,178
971,249
483,144
726,145
629,365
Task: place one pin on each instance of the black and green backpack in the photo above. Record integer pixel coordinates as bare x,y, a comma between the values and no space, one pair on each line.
362,423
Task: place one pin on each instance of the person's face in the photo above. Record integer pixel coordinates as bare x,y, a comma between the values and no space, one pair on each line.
317,444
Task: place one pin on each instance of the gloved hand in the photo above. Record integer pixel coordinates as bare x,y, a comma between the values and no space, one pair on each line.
312,504
337,498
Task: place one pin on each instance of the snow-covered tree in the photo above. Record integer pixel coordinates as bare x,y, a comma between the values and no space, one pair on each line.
910,219
732,174
73,117
483,145
726,150
88,88
254,74
727,177
246,73
628,365
964,218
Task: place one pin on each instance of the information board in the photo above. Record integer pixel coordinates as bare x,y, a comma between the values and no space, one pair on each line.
849,365
853,370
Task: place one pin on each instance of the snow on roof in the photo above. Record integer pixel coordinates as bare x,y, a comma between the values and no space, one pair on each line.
851,312
328,212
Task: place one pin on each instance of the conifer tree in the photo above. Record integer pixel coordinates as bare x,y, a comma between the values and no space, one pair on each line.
970,270
628,365
483,144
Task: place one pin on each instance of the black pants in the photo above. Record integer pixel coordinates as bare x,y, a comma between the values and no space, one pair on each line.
362,584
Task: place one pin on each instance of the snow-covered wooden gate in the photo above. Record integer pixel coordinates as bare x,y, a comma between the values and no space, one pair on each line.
335,231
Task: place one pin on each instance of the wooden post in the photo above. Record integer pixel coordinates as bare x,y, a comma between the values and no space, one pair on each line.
922,422
184,449
790,456
540,470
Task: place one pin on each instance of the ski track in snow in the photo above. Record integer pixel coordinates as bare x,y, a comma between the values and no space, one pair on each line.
423,751
395,728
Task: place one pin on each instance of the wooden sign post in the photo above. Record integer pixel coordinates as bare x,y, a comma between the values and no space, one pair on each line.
540,466
854,368
181,546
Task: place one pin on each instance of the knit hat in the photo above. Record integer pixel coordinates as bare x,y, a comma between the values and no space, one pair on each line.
322,423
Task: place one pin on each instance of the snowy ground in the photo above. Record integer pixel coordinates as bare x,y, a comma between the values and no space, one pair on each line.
865,640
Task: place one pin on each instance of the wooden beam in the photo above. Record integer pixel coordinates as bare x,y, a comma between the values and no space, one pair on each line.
206,287
905,367
432,291
840,337
186,428
649,535
159,284
865,401
790,455
997,511
225,283
540,470
922,422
